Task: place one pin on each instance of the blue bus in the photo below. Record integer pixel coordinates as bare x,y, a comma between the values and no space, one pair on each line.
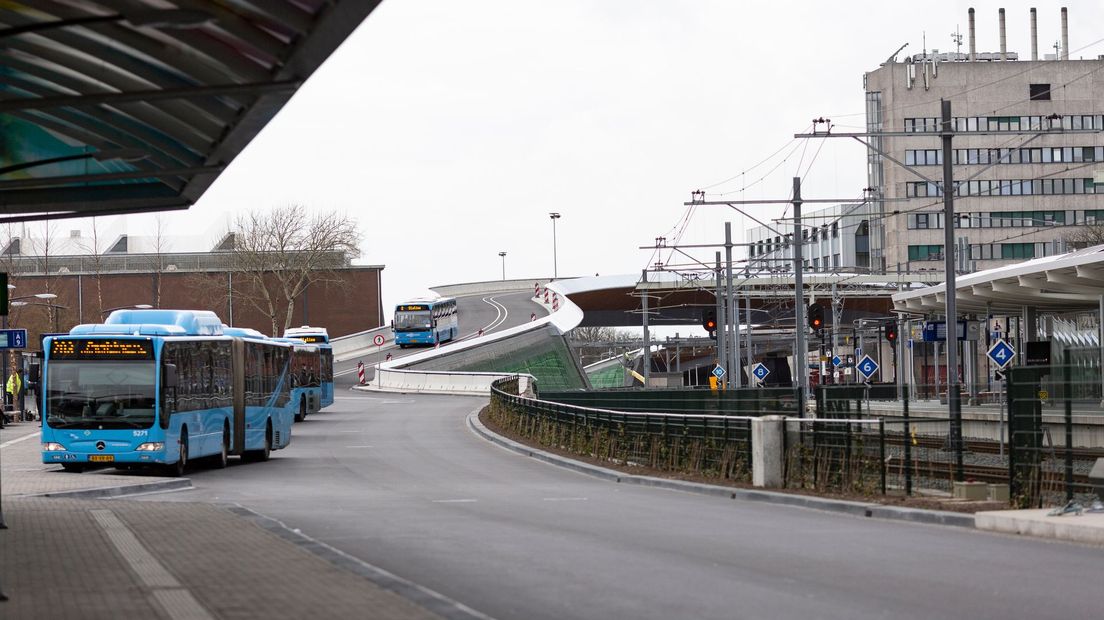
306,377
160,388
320,337
427,322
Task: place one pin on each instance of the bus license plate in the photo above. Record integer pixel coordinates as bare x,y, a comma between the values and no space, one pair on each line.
101,458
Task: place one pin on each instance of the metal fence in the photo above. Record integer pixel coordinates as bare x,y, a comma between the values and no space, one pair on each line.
1024,449
712,447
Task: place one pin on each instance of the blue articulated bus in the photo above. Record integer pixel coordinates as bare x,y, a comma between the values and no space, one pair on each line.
163,387
306,377
319,337
425,322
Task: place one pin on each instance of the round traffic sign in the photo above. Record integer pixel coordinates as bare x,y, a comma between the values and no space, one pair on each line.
378,339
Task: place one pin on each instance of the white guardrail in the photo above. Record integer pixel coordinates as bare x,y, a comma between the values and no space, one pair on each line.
345,347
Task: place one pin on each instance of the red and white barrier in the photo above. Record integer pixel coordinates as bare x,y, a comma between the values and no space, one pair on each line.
360,372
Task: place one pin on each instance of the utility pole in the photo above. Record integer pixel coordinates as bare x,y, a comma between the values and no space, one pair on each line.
647,338
721,353
954,402
801,352
732,315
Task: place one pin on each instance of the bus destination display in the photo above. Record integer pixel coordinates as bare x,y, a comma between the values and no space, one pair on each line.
312,339
88,349
412,308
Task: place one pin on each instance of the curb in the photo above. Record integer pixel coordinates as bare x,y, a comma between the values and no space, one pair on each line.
177,484
859,509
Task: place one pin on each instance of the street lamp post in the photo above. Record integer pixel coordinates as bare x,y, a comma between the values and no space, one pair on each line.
503,256
554,216
18,302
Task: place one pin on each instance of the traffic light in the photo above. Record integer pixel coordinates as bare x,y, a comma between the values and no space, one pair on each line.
891,332
709,321
816,317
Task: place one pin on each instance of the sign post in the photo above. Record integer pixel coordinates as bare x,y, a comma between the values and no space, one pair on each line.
378,340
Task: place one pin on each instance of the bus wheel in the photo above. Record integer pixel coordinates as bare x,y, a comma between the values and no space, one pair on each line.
223,457
302,415
264,453
177,469
73,468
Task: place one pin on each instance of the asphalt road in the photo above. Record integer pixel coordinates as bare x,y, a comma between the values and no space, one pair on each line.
487,312
400,482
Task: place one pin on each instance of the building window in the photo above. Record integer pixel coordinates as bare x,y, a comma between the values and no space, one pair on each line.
1017,250
835,229
1039,92
925,252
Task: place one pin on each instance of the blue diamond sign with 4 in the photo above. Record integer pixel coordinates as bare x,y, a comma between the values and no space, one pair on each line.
760,371
868,366
719,372
1001,353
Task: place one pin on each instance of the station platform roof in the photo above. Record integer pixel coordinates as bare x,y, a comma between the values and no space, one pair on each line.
113,107
677,300
1064,283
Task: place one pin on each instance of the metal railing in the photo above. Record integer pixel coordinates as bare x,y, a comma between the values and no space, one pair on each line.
711,447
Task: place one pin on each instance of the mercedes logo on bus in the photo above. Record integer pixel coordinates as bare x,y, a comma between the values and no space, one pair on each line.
100,446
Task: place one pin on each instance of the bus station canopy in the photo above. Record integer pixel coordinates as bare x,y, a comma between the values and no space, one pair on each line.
127,106
1063,283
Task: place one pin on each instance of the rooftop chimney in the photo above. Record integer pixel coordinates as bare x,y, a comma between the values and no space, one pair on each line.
1065,35
1034,36
1004,47
973,47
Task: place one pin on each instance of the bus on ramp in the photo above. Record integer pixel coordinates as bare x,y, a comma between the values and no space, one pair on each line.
425,322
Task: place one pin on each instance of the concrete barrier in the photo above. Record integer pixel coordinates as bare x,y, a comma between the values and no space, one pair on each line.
483,288
438,382
347,346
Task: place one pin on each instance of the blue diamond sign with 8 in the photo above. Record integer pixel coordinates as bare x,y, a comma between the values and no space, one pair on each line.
760,371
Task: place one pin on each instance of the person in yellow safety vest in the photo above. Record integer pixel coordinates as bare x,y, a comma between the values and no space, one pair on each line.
14,386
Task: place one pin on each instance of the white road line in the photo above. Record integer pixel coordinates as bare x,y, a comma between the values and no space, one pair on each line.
455,501
19,439
168,593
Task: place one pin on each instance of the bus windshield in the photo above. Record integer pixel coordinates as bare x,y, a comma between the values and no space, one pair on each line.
99,394
413,321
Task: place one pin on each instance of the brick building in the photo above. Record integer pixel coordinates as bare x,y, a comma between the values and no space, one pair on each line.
88,285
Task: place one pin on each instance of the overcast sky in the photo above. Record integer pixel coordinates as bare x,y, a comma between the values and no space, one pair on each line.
450,130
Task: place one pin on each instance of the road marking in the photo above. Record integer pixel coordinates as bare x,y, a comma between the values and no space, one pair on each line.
565,499
19,439
455,501
168,593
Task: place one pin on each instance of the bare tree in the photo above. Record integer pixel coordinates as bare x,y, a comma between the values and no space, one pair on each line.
1086,236
92,246
277,254
157,259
